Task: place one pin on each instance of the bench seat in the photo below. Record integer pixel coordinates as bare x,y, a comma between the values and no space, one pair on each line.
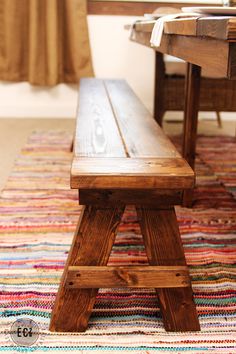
122,157
119,145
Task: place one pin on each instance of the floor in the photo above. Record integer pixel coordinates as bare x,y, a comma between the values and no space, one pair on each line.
14,134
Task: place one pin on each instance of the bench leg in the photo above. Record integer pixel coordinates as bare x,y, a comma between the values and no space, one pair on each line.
164,247
91,245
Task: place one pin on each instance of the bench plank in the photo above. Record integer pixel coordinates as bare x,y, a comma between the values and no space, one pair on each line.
142,135
125,173
164,248
114,197
121,156
97,133
118,144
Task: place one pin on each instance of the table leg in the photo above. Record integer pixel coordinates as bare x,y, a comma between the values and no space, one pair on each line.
159,86
192,93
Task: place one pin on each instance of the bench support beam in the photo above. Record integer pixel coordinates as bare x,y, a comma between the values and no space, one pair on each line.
91,246
85,272
112,168
113,197
127,276
164,247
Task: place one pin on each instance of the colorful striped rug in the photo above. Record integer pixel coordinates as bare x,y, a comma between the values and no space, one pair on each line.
38,214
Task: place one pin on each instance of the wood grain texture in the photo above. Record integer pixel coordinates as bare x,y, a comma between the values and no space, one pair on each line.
149,24
217,27
134,7
135,123
108,197
186,26
131,173
127,8
96,130
199,51
127,276
159,83
91,246
164,247
192,94
220,27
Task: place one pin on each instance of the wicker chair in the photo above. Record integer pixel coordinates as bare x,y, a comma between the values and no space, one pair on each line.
217,94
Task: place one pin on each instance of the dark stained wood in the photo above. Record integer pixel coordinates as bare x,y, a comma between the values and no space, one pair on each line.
96,131
135,123
131,173
199,50
133,8
192,94
216,94
217,27
72,146
159,83
164,247
232,61
191,112
110,172
91,246
127,276
182,47
128,8
149,24
184,26
219,121
157,197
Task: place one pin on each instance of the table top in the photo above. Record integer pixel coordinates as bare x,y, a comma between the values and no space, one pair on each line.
209,42
218,27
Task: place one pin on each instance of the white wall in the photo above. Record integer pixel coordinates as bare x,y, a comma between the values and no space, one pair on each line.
114,56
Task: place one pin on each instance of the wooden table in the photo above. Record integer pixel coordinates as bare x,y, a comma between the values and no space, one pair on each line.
207,42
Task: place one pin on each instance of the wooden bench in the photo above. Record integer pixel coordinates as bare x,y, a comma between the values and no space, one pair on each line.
121,156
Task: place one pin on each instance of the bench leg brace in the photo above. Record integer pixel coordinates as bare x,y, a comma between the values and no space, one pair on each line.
164,247
92,244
